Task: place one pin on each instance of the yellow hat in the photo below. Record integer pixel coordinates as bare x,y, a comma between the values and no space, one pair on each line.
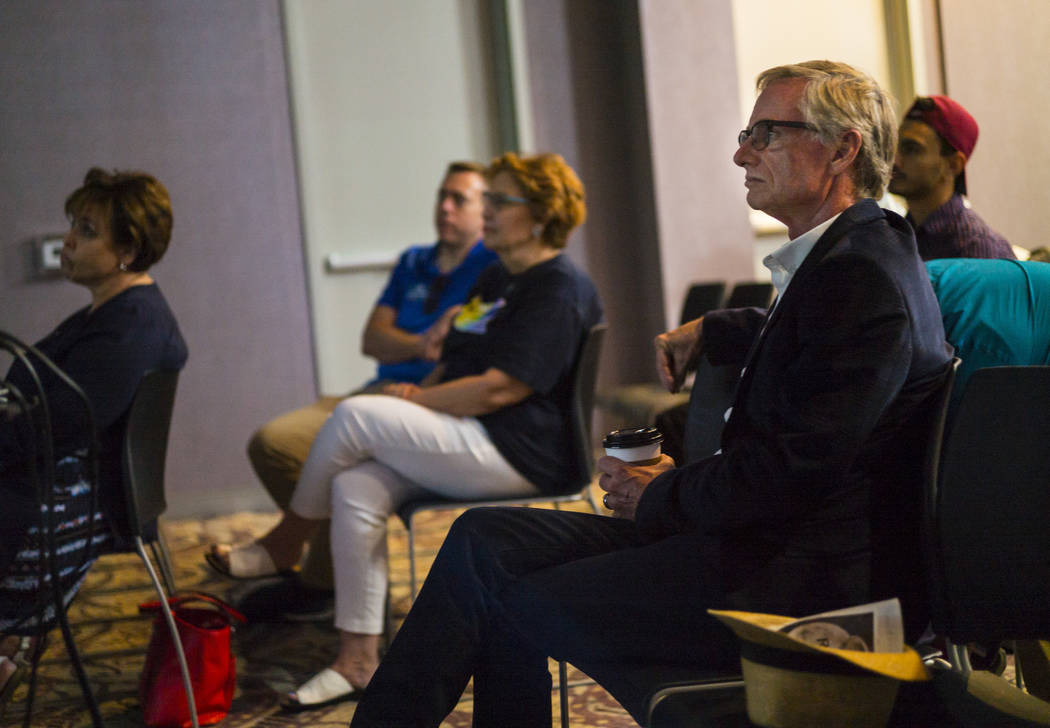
791,683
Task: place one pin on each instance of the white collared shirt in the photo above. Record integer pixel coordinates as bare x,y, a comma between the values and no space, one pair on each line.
784,262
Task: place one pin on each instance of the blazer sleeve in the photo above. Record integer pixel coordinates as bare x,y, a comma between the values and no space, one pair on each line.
830,365
729,333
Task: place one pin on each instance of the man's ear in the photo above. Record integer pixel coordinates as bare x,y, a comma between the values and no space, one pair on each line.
847,150
956,162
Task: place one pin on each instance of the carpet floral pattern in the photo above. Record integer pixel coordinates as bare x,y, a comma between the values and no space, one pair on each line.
272,659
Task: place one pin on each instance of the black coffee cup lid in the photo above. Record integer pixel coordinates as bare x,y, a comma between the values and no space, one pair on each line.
632,437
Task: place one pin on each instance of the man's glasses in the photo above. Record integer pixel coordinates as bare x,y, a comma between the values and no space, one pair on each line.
760,131
436,290
498,200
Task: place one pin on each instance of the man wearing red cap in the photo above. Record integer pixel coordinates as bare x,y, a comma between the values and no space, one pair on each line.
936,140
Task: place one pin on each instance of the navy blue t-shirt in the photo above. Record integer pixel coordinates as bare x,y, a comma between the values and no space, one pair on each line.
529,326
408,289
105,352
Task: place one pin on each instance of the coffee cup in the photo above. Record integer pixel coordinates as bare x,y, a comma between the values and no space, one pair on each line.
639,445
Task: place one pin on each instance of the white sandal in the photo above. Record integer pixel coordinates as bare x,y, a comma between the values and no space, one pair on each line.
325,688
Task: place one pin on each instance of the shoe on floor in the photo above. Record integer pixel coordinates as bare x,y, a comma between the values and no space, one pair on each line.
325,688
245,561
16,667
287,600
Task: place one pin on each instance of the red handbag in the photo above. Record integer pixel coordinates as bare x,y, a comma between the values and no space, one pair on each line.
205,635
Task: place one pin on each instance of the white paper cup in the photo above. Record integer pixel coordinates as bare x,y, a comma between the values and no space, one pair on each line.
634,445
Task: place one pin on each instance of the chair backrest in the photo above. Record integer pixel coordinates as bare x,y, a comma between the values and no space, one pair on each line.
584,380
146,447
991,510
750,293
701,298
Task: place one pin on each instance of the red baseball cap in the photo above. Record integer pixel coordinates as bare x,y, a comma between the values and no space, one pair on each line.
949,119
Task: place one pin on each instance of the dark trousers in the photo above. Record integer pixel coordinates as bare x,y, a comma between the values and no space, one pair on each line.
512,586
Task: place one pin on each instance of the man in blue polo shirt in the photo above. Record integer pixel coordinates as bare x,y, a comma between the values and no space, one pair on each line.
404,334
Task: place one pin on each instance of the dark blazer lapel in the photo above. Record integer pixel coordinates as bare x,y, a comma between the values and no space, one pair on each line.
857,214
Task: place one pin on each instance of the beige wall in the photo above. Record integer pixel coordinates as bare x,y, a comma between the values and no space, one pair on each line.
770,33
996,61
384,95
691,92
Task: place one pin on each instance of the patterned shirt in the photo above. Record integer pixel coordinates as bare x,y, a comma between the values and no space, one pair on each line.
953,230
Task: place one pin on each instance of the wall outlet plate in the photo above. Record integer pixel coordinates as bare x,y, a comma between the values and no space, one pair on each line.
48,259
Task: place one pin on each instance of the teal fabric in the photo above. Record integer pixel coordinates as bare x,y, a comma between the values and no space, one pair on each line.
995,312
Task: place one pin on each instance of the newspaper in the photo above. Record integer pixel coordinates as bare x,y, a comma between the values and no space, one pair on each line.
875,627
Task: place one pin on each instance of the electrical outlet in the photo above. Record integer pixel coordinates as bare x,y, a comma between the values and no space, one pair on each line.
49,260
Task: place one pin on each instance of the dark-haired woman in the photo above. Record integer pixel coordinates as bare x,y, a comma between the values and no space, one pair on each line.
119,226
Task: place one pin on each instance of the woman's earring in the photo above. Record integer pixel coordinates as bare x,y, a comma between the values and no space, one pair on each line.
123,266
537,230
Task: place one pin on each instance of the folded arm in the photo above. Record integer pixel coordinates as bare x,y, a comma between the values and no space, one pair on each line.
467,396
386,342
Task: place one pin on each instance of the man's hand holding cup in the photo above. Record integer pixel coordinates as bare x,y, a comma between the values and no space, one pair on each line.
632,459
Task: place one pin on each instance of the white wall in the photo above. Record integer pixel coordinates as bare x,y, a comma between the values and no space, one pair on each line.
773,33
384,95
995,65
692,100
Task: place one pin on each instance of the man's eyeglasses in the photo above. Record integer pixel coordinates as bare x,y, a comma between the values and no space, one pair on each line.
760,131
434,294
499,200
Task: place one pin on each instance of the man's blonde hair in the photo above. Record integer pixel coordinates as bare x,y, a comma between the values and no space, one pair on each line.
838,98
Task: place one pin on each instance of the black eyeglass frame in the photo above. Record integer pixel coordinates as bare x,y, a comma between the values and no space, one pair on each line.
767,124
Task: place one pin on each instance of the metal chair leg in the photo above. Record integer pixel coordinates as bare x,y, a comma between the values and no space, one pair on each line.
163,557
187,684
411,562
78,667
958,656
563,687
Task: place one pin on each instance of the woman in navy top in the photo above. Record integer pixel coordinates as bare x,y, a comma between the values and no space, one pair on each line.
120,225
490,422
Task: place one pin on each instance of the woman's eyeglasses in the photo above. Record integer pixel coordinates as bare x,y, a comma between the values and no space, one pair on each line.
498,200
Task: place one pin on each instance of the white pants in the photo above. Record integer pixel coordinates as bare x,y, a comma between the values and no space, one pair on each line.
374,453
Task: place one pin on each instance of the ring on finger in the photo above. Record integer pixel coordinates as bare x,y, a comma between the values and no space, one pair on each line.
605,501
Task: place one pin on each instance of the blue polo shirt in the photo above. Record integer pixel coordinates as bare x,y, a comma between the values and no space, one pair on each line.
407,291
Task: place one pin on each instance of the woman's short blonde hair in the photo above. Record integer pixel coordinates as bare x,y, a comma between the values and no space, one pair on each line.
554,191
137,208
838,98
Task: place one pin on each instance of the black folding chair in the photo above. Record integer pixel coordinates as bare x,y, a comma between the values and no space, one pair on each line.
701,298
143,455
987,510
750,294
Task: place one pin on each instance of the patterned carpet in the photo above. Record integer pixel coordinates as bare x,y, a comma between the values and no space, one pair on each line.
272,658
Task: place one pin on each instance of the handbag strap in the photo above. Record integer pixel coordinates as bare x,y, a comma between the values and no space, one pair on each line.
177,600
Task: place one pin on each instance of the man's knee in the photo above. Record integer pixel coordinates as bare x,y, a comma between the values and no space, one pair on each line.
268,449
278,449
487,525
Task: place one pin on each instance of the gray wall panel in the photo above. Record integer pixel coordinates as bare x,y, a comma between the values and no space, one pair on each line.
195,93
